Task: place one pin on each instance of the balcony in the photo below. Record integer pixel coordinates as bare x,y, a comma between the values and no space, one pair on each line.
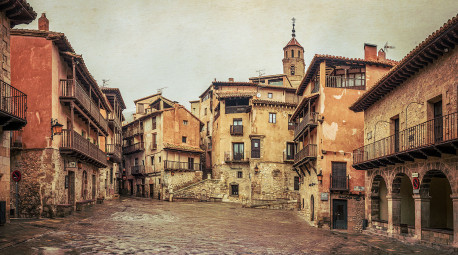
229,157
308,153
138,170
113,120
238,109
70,91
345,82
136,147
114,151
236,129
74,144
339,183
132,131
181,166
13,106
310,120
431,138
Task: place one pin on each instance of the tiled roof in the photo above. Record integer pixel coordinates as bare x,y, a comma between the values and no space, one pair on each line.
425,53
233,83
117,92
143,98
272,102
171,146
318,58
304,100
293,42
18,11
235,94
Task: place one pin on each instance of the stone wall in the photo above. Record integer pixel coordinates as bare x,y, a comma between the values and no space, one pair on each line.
208,189
179,180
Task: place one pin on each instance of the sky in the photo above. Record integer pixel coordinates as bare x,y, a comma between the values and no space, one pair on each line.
181,46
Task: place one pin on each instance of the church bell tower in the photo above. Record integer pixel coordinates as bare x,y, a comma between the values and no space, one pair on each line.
293,59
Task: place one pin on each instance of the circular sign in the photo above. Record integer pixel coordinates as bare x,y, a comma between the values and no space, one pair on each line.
124,177
416,183
16,176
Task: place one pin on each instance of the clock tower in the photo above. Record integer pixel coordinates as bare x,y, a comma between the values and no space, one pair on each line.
293,60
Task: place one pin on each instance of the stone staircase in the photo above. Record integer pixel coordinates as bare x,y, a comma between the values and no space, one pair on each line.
205,190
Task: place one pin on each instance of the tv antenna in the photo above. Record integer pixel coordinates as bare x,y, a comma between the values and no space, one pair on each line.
161,89
386,47
105,82
260,73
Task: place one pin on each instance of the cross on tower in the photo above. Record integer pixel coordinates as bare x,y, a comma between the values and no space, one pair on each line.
294,31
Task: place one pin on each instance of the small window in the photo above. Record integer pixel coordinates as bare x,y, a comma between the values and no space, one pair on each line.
160,159
183,139
152,160
237,122
153,123
272,117
239,174
269,95
296,182
293,69
185,122
205,111
234,189
298,53
292,53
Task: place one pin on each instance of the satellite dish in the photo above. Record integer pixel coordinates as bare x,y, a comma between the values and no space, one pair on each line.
258,95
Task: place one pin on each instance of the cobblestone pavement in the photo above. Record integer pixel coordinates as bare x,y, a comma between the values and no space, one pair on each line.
144,226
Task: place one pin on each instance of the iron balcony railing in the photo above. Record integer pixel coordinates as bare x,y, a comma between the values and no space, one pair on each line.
339,183
69,89
71,140
136,147
137,170
309,151
114,119
345,82
309,119
429,133
186,166
229,156
236,129
115,150
12,101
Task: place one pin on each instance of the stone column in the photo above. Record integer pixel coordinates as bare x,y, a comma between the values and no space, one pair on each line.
455,219
422,213
394,212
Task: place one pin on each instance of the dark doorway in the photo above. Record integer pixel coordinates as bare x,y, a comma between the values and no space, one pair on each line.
151,190
396,135
339,214
131,186
71,187
93,186
438,129
312,208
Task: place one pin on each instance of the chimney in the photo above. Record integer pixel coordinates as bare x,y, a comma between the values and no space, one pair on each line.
43,22
231,79
381,55
370,51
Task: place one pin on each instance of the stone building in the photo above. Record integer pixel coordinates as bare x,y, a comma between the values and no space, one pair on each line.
60,167
161,148
248,140
410,142
325,134
110,178
13,102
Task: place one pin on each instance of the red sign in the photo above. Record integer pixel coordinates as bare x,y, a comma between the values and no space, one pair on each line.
416,183
124,177
16,176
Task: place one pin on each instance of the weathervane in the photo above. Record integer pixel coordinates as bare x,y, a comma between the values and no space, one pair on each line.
294,31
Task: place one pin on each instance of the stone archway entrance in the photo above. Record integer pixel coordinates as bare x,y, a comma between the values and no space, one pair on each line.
379,203
403,204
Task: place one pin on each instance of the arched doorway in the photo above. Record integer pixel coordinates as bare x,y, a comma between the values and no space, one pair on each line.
436,186
379,203
312,208
404,211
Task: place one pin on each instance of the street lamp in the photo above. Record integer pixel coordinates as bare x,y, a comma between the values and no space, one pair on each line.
256,169
320,177
56,128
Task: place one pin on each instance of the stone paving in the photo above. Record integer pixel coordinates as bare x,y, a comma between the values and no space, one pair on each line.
145,226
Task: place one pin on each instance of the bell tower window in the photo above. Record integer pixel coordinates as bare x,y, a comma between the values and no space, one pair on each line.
292,53
298,53
293,69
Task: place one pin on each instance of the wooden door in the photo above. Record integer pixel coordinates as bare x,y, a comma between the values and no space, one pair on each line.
438,122
339,214
396,135
71,187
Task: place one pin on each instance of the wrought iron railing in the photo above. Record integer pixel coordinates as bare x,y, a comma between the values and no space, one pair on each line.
177,165
12,101
339,183
133,148
74,141
74,90
307,120
236,129
229,156
431,132
309,151
345,82
137,170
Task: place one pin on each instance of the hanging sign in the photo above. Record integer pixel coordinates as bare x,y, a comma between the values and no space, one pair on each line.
416,183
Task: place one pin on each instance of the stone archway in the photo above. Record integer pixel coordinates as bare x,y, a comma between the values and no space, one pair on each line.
379,203
403,207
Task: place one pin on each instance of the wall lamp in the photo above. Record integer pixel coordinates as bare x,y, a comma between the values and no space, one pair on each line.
56,128
256,169
320,177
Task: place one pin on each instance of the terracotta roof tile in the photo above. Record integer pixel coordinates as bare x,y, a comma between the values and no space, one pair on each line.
293,42
18,11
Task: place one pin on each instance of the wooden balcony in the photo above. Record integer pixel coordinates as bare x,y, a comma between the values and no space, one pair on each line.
114,121
428,139
114,151
181,166
13,106
75,145
236,129
308,123
138,170
308,153
70,91
339,183
137,147
237,109
132,131
345,82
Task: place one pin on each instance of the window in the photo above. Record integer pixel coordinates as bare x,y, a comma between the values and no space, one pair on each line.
205,111
269,95
298,53
291,125
152,160
136,162
296,182
154,123
292,69
289,151
237,122
255,148
191,164
154,141
183,139
239,174
237,149
339,176
160,159
185,122
208,127
292,53
234,189
272,117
